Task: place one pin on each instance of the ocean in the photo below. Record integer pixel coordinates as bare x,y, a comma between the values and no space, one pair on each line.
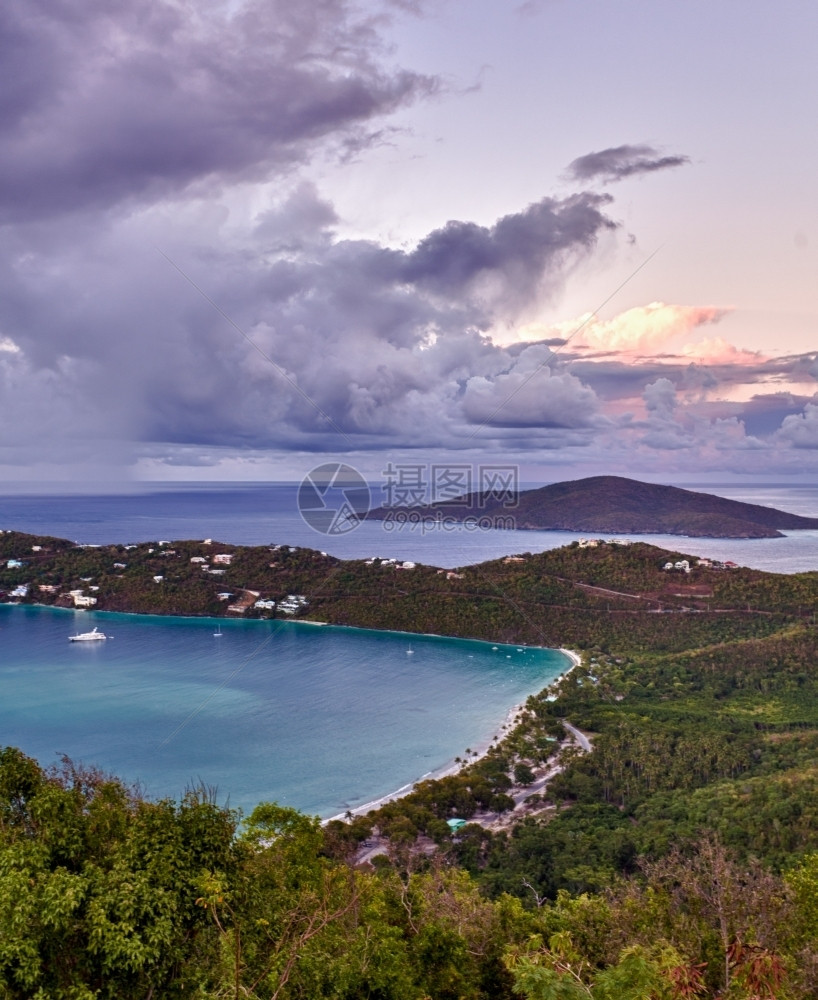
261,514
322,719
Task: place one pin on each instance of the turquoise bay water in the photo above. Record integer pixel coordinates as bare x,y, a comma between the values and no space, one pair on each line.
322,719
319,718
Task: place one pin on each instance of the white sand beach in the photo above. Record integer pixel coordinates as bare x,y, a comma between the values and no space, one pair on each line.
512,718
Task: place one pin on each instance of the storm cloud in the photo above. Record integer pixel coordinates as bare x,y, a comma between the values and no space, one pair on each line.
619,162
114,100
259,327
315,342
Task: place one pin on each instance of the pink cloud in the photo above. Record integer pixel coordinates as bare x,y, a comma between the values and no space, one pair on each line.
716,351
644,329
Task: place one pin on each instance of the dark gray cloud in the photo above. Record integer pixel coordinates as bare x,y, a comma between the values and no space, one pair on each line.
613,379
619,162
520,248
383,341
99,343
116,100
127,125
762,415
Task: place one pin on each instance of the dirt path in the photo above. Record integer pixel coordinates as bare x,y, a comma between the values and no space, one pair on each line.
491,820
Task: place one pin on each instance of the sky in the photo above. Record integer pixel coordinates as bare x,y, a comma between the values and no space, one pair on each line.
238,240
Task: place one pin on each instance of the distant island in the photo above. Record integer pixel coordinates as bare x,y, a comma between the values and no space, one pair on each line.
612,505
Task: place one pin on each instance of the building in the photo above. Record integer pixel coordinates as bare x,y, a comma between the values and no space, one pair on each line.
243,603
223,558
292,603
83,601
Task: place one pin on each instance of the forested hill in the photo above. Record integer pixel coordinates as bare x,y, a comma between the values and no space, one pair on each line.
616,505
675,859
551,598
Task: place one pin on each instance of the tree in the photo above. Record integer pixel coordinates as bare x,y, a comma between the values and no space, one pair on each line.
96,885
560,972
739,902
523,775
285,902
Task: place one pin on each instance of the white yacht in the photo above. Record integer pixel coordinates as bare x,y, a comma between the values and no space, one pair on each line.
91,636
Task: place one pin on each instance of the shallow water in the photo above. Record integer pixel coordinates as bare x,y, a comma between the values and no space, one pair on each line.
319,718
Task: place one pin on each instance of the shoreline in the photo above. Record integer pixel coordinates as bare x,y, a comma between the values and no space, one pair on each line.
280,621
496,734
238,620
512,718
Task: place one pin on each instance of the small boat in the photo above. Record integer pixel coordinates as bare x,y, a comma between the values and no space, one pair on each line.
91,636
218,633
410,651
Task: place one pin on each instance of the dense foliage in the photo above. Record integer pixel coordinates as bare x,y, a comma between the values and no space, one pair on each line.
105,895
676,859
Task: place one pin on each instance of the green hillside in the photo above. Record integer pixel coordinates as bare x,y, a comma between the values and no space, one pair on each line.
677,858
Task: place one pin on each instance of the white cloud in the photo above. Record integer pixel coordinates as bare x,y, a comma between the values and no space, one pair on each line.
801,430
534,399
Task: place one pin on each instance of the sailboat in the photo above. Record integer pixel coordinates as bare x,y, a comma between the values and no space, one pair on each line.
218,633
